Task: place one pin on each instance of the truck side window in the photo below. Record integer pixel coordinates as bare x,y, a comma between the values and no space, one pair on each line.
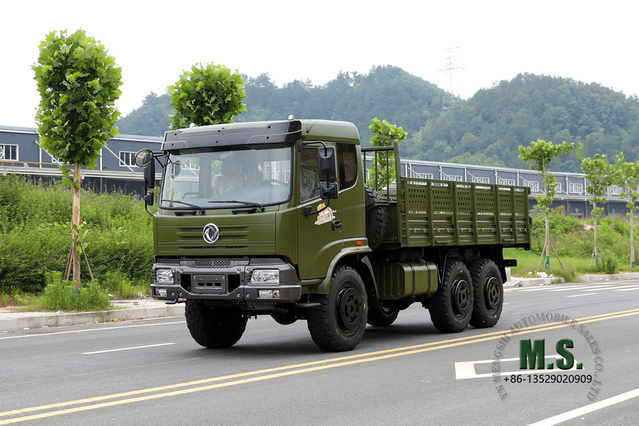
347,165
309,175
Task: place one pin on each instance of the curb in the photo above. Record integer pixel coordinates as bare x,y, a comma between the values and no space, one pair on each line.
531,282
29,320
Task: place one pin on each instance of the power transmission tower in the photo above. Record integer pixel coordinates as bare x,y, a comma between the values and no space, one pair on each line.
449,97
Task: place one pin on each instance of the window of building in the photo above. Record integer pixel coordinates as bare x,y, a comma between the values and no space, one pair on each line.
8,152
421,175
454,178
533,185
127,158
501,181
615,190
575,188
481,179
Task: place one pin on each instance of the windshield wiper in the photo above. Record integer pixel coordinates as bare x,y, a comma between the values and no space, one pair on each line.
257,206
200,209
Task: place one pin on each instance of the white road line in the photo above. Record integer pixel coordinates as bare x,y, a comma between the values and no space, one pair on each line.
627,289
582,294
127,349
584,288
569,415
540,288
466,369
91,329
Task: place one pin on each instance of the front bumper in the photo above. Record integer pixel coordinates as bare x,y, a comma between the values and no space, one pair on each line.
226,280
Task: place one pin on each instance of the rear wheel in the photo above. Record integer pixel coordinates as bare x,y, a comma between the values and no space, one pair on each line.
382,317
488,294
214,327
338,324
452,305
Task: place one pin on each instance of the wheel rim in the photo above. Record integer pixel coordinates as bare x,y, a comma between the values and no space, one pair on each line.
349,306
492,293
462,296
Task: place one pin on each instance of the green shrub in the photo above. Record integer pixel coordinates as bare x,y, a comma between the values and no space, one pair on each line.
608,262
61,295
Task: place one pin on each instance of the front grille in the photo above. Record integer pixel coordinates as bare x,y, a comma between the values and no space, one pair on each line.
212,263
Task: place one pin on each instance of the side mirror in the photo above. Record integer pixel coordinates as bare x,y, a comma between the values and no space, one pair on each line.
327,164
149,181
144,157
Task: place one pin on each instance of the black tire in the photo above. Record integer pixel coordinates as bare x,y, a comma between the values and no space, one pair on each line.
488,292
214,327
340,321
376,218
452,306
382,317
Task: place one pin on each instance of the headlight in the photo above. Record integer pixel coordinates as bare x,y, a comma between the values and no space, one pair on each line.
265,276
164,276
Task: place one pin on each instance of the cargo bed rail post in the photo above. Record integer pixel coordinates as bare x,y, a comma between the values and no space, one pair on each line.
376,152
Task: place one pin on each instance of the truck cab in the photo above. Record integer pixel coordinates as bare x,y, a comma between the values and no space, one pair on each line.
247,223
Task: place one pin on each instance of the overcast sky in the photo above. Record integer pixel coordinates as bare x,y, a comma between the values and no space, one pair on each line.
153,42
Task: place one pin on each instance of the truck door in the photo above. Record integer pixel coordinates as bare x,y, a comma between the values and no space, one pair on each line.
318,239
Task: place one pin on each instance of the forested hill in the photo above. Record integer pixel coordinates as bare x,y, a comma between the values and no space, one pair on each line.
488,128
485,129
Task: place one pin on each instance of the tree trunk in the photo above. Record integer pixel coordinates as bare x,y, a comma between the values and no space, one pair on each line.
547,245
75,224
595,249
632,240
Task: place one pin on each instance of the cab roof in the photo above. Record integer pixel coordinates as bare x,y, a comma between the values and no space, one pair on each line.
260,132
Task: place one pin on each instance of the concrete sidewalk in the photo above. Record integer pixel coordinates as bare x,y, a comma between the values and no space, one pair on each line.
148,308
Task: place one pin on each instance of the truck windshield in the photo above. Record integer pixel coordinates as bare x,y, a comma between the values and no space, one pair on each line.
232,178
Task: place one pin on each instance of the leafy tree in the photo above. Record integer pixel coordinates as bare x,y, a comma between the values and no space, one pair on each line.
539,156
599,175
384,134
208,94
78,83
626,175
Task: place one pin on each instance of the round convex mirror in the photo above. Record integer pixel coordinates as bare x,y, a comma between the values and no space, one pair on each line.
143,158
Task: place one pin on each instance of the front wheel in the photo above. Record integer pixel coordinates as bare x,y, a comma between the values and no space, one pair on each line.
338,324
214,327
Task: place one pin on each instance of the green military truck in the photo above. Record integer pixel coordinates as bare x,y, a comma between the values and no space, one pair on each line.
275,218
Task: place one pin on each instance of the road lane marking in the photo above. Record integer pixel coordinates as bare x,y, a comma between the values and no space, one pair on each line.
582,288
582,294
278,372
628,289
569,415
466,369
127,349
120,327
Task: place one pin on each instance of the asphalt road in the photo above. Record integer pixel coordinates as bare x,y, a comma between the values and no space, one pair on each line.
151,371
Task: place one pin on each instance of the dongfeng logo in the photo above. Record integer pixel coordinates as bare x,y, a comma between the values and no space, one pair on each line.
211,233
